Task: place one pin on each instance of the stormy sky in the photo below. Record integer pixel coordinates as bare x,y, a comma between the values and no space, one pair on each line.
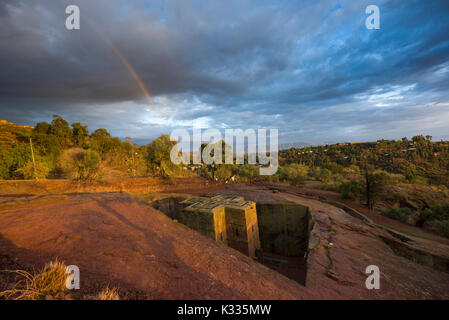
309,68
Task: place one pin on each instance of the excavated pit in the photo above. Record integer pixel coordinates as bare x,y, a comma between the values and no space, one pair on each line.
283,230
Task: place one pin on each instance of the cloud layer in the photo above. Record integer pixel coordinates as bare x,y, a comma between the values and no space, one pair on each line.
309,68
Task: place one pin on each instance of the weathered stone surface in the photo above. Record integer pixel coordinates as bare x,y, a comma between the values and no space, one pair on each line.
230,220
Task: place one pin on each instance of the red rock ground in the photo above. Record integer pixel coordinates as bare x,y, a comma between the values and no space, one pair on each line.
116,239
355,245
373,215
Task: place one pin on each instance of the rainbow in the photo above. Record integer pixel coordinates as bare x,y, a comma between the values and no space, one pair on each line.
125,61
133,73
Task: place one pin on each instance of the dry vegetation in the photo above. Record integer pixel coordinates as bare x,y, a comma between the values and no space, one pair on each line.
108,294
49,283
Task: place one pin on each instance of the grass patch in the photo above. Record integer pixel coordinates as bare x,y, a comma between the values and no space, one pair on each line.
49,281
108,294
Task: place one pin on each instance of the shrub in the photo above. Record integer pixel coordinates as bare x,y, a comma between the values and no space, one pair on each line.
247,173
350,190
435,218
353,169
80,164
314,173
205,173
400,214
423,216
294,173
325,175
223,172
396,178
31,171
335,168
272,179
442,227
441,211
297,180
16,157
169,169
87,164
417,180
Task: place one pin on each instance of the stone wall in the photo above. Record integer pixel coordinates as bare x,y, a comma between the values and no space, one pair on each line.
274,227
283,228
230,220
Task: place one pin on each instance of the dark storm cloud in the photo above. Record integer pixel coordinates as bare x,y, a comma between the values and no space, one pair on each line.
310,68
182,53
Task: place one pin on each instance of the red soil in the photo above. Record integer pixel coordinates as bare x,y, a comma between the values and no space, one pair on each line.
118,240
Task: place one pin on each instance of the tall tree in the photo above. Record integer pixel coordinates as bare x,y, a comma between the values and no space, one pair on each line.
79,134
375,182
158,155
60,128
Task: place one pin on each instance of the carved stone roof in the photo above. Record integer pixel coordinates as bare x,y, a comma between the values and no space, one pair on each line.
216,202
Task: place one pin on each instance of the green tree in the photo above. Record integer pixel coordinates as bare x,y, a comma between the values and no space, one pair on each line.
247,172
79,134
294,173
325,175
46,144
29,171
60,128
401,214
158,156
13,159
375,183
351,190
42,127
100,141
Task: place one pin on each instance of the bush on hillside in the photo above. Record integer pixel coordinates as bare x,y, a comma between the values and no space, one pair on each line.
435,218
400,214
351,190
247,173
223,172
38,170
294,173
80,164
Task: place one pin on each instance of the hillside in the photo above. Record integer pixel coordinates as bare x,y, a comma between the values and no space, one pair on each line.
407,179
418,160
12,134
